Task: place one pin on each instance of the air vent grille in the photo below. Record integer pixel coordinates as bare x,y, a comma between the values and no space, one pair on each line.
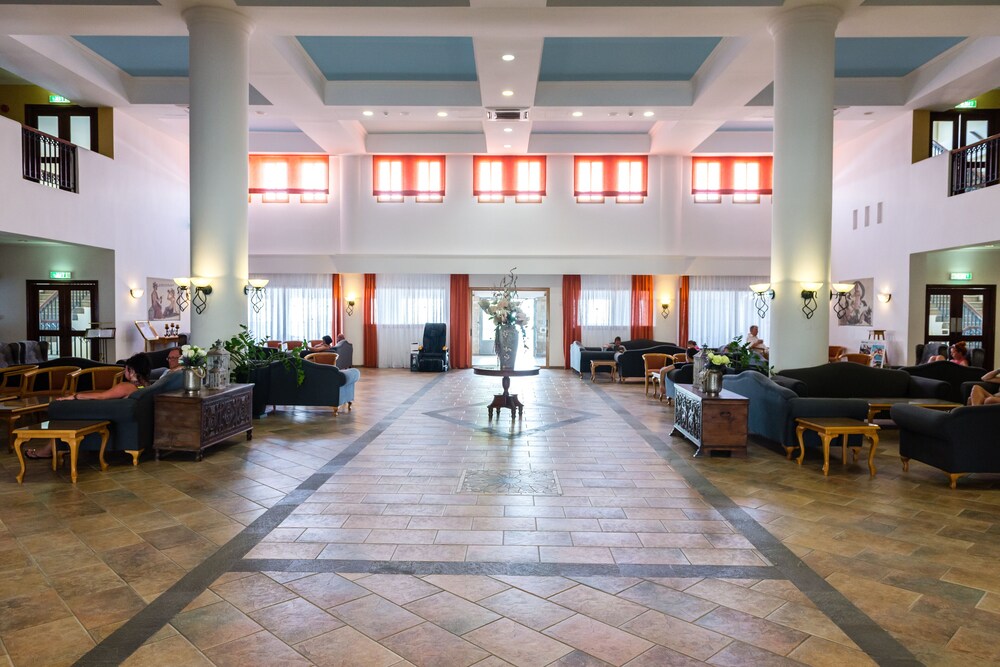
507,115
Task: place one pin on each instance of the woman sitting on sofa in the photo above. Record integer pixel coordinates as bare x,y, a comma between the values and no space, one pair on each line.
137,370
980,396
959,354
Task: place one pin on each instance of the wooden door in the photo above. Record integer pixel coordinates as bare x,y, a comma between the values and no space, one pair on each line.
59,313
962,312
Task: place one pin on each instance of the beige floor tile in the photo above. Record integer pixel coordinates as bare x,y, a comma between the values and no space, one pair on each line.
822,653
598,605
254,592
346,647
599,639
54,643
517,644
375,616
454,614
399,588
525,608
427,645
661,598
175,650
261,648
214,624
541,586
676,634
327,590
296,620
751,630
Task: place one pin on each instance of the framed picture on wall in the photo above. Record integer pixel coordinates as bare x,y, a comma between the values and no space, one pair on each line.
161,300
146,329
859,304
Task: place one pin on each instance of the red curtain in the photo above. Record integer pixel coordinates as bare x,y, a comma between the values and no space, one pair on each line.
572,331
460,322
299,168
726,184
642,308
337,324
510,163
370,328
409,165
610,169
684,303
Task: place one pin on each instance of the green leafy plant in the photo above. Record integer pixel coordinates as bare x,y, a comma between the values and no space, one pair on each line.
247,352
743,357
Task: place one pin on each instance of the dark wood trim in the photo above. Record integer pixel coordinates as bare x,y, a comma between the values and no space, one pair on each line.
988,336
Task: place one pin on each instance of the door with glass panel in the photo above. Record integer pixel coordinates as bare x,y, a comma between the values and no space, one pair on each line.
60,313
535,304
965,313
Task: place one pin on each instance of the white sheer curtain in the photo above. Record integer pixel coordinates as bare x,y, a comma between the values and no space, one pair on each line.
721,308
297,306
403,304
605,308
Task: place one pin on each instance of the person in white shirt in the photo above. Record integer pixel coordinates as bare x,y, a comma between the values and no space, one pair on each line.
756,344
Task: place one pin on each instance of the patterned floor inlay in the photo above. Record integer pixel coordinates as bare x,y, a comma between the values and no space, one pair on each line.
510,482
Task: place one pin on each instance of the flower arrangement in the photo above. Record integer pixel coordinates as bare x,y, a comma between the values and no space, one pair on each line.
193,356
718,360
504,309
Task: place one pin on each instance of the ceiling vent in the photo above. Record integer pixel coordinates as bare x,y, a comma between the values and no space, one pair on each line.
508,115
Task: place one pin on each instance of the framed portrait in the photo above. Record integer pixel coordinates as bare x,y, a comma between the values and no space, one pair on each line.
161,300
859,304
146,329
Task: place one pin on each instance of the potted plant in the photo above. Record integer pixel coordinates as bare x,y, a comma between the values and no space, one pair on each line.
249,360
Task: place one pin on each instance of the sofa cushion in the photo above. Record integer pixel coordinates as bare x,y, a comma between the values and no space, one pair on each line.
953,374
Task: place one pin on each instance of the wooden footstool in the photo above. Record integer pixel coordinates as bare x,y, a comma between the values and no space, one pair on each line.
829,428
594,365
70,432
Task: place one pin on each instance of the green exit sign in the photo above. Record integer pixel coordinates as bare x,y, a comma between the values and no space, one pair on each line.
967,104
60,275
58,99
960,276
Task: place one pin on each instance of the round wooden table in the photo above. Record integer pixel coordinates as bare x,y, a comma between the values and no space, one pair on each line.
506,399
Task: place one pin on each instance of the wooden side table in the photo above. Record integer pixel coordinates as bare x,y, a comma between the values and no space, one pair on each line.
829,428
12,410
712,422
506,399
603,363
192,422
70,432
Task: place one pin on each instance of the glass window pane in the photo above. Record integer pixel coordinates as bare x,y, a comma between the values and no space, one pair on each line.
49,125
938,312
972,315
80,310
48,310
942,132
79,131
975,131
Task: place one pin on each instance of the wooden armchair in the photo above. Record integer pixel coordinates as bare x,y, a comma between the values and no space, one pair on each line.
652,363
11,378
857,358
52,381
328,358
99,378
837,352
293,344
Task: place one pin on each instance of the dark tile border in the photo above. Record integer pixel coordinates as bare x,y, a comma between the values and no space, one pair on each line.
124,641
422,568
872,638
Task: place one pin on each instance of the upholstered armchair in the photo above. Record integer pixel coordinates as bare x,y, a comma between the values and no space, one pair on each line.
433,354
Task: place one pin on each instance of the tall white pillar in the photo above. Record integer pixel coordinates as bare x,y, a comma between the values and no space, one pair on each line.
219,136
803,181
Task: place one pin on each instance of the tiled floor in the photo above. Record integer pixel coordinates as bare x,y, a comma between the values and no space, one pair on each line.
414,531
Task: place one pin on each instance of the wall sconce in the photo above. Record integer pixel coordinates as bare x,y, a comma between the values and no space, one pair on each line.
761,290
664,308
136,292
255,288
350,305
809,291
202,288
182,292
884,297
841,290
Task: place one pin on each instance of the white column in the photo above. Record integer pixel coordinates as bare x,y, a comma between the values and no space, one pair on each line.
803,181
219,136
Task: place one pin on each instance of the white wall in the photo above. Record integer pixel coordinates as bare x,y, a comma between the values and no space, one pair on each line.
917,216
136,205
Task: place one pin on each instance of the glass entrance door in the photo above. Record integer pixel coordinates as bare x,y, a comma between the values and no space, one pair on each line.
967,313
535,304
59,313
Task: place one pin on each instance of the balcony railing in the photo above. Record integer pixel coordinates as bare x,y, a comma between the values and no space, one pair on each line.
975,166
48,160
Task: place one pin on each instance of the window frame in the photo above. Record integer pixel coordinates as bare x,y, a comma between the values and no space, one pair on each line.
409,179
634,191
507,175
296,177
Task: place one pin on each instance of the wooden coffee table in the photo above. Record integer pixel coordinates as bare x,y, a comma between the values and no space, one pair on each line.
877,405
11,411
829,428
604,363
70,432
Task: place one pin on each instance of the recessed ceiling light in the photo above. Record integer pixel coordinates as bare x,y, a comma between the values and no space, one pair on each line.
367,113
507,57
508,93
508,146
647,114
612,113
577,114
442,114
508,129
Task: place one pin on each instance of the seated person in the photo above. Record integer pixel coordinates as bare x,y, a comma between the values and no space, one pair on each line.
173,365
616,346
755,343
325,346
692,350
980,396
136,377
958,352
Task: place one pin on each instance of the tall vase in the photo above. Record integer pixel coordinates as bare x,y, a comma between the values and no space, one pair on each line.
713,381
507,340
192,380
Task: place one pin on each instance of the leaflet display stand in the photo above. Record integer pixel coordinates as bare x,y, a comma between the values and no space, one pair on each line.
102,332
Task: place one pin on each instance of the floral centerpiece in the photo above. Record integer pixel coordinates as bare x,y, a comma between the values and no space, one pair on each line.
193,360
712,380
504,310
718,361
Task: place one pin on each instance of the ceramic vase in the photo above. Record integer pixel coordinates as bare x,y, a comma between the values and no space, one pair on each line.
192,380
506,345
713,381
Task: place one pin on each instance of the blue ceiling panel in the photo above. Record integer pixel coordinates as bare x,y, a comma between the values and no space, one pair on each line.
624,58
887,56
142,56
392,58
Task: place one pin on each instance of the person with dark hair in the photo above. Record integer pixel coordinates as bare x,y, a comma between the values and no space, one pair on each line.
959,353
137,370
325,346
616,346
